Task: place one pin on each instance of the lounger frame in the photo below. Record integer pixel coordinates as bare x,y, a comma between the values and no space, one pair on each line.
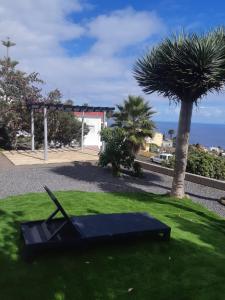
80,232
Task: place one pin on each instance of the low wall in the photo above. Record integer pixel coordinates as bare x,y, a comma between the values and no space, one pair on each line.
217,184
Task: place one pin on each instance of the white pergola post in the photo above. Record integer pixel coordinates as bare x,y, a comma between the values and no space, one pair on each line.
45,134
104,120
82,132
32,130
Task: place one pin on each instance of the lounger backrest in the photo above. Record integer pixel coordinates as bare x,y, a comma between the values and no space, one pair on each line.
49,234
56,202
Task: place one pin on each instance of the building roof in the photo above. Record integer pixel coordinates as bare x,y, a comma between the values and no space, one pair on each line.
69,108
90,114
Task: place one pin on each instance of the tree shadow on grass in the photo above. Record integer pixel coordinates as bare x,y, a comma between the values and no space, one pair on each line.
9,233
177,205
190,266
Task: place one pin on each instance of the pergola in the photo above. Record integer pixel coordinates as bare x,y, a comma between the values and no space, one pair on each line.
61,107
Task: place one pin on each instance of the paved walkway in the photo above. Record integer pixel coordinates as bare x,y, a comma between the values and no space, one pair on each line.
4,163
65,155
88,177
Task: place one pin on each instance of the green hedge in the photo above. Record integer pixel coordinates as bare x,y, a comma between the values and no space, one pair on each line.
204,164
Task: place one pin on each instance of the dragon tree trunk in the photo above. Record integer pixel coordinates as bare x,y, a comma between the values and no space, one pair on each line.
182,142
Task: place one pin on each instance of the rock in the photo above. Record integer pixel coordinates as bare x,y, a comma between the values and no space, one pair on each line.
222,200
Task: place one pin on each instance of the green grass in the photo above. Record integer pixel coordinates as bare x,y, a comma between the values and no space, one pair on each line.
190,266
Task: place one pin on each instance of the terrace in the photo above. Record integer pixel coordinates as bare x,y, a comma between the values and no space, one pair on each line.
64,155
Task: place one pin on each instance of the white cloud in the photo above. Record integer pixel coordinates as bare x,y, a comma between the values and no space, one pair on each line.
102,74
39,27
211,113
123,28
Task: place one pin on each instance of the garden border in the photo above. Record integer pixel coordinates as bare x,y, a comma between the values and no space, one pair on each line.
210,182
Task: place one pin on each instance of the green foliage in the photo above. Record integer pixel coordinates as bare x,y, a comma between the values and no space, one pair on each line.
4,137
117,151
132,125
23,142
17,86
169,163
185,67
204,164
69,128
63,127
17,89
153,147
137,169
134,116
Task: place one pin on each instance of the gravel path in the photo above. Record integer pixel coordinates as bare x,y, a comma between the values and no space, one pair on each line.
87,177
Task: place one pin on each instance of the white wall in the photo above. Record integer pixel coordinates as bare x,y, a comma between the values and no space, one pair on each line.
93,136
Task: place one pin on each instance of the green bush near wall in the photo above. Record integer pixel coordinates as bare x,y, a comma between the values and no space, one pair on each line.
203,163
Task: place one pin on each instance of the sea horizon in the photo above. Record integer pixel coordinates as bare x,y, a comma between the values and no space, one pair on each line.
176,122
206,134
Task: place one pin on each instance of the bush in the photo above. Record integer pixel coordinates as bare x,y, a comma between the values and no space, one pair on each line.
153,148
117,152
5,142
137,169
203,163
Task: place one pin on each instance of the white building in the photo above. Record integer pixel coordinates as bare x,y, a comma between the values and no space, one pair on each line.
156,139
94,120
214,149
167,143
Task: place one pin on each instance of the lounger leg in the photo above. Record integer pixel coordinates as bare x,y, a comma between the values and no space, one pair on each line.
28,255
166,236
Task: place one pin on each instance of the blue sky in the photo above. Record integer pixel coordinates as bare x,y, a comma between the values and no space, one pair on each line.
87,48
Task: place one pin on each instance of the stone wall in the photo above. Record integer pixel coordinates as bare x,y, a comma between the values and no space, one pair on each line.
217,184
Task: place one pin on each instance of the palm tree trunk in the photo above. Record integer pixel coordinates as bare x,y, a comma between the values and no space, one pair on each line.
182,142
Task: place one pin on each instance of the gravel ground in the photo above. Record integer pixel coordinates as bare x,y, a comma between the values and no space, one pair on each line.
87,177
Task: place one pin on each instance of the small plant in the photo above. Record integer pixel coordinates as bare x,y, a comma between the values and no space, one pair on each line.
153,148
137,169
134,115
117,152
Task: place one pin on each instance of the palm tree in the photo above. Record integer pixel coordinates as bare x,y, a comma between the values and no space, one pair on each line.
171,133
134,116
184,69
7,43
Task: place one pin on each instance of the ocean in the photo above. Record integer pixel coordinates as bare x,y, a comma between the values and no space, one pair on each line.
205,134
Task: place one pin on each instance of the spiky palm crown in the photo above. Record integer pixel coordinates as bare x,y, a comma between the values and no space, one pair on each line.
185,67
134,116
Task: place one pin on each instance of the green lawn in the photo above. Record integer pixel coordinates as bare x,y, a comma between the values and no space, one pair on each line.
190,266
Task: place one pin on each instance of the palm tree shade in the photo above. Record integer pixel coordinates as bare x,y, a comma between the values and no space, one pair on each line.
134,116
184,68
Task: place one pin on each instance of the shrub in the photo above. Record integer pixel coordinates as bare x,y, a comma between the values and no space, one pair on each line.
203,163
153,147
117,152
137,169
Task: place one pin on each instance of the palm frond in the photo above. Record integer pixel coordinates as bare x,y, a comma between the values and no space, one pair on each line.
185,67
134,116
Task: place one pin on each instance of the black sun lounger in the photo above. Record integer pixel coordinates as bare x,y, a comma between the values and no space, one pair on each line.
67,232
